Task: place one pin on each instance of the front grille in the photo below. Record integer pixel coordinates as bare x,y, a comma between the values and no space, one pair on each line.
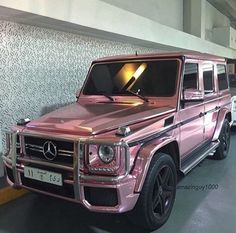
34,149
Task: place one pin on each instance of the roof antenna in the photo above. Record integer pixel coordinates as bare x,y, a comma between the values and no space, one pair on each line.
136,53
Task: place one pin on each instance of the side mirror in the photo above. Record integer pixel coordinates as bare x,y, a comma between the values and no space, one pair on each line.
192,95
77,94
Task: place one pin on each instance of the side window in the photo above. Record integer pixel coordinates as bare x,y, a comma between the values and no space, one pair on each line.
190,76
222,77
208,79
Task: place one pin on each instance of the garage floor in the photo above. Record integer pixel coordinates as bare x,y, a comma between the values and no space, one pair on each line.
205,202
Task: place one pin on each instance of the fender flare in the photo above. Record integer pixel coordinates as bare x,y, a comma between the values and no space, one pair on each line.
220,120
144,158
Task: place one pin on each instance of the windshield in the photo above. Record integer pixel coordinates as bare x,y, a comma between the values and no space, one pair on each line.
146,78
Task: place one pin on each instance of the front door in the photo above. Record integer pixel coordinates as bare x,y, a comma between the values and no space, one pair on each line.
192,113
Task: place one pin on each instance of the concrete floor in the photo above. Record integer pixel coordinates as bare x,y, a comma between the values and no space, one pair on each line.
210,210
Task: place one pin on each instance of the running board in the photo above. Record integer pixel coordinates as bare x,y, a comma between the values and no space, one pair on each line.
195,159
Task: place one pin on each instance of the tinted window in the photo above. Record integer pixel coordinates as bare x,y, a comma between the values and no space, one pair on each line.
148,78
208,79
191,76
222,77
232,80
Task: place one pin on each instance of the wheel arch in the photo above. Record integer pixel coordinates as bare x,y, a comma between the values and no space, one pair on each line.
224,113
146,153
171,149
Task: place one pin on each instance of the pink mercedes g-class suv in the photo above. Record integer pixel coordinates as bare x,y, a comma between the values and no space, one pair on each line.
138,122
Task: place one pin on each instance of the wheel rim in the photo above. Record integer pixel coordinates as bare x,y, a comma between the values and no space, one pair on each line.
163,192
226,139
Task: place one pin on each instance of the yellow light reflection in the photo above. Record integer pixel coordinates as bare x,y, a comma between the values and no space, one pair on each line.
140,70
128,71
136,104
86,128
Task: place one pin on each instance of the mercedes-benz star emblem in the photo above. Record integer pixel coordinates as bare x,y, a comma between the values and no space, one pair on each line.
49,150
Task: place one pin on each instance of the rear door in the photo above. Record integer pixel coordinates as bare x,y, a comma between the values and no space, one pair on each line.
223,85
211,100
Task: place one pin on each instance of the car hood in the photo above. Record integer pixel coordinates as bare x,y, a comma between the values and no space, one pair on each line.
95,118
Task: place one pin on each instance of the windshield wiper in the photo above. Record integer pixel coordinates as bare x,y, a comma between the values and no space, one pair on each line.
140,96
126,88
108,97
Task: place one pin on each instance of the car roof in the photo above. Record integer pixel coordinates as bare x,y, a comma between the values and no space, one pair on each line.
137,56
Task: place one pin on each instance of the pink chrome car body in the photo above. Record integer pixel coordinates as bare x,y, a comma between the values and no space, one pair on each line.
167,124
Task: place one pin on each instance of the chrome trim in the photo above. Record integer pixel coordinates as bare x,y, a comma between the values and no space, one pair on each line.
67,152
200,158
13,156
63,154
122,144
6,159
40,162
32,147
49,150
100,142
35,149
76,170
71,182
52,137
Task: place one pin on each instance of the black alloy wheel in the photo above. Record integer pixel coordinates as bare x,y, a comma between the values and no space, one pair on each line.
163,191
224,138
157,197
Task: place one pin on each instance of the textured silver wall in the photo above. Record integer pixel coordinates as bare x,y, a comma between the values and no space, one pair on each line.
40,69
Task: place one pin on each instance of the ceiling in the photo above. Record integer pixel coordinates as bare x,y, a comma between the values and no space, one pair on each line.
226,7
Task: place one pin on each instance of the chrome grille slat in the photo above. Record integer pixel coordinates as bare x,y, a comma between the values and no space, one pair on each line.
66,151
35,149
63,154
60,152
40,149
33,146
40,162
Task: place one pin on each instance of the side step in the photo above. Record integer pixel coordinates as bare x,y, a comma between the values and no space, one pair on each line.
194,159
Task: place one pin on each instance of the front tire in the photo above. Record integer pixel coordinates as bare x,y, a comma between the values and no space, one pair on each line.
158,194
223,148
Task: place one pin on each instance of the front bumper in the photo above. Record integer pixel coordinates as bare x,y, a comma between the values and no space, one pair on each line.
96,193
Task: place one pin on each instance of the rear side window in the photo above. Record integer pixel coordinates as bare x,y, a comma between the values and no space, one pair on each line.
191,76
208,79
222,77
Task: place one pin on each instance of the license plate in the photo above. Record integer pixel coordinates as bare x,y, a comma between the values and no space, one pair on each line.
43,176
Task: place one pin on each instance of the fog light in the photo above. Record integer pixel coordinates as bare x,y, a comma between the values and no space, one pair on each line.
106,153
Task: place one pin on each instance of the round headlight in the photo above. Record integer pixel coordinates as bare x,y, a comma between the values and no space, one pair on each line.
106,153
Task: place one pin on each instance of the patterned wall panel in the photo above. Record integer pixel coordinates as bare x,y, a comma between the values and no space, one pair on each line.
40,69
